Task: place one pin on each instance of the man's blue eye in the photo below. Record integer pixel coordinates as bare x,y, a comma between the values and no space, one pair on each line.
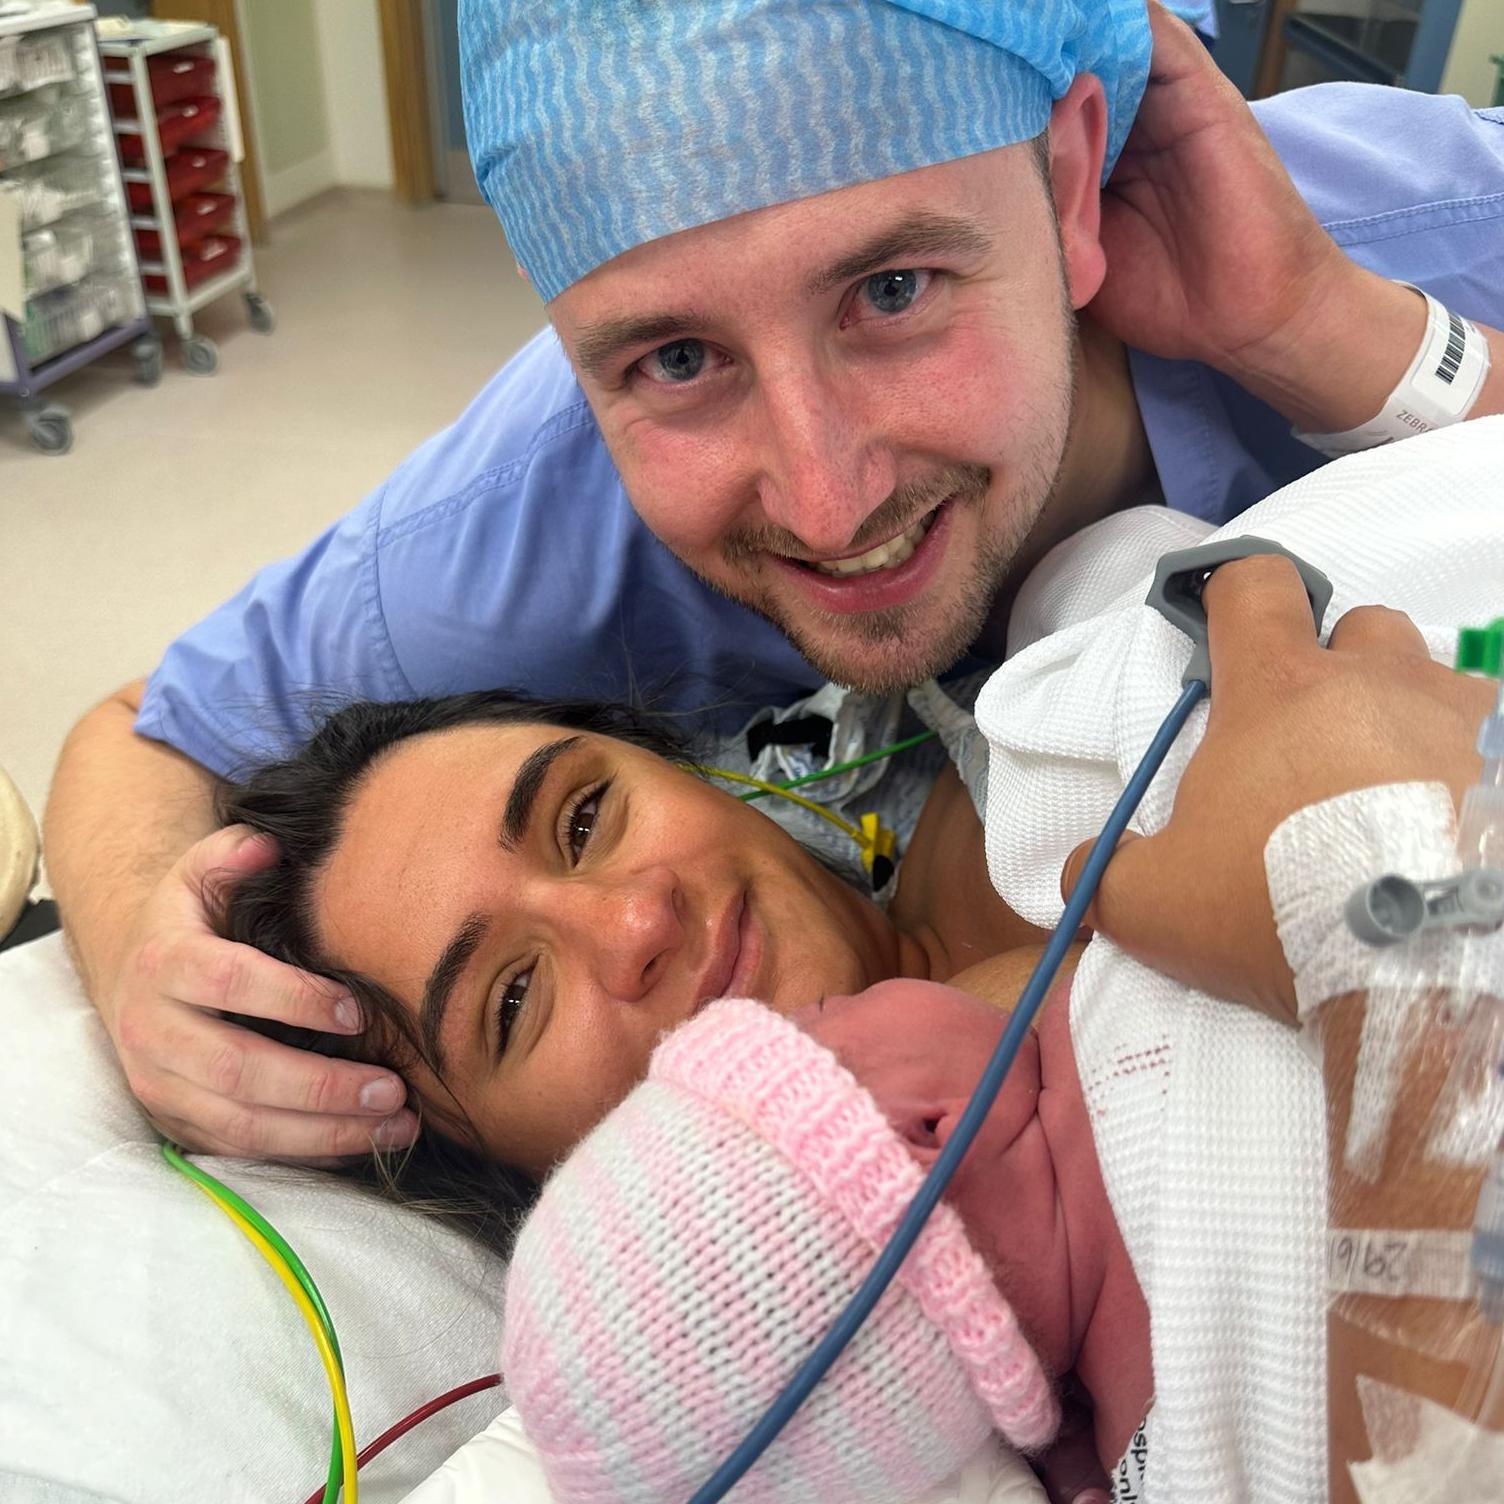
892,292
680,361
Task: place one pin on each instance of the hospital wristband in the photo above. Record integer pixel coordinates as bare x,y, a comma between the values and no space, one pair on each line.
1439,389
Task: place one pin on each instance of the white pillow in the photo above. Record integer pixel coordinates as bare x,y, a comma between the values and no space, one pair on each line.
150,1356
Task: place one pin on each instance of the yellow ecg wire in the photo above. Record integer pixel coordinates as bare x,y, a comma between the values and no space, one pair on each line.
342,1418
772,788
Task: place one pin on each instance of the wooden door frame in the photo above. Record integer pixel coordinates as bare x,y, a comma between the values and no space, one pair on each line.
406,68
1271,67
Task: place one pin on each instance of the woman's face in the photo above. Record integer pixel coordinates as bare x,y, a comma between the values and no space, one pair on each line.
547,903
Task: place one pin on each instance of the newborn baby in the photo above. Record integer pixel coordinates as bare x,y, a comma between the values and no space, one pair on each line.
695,1246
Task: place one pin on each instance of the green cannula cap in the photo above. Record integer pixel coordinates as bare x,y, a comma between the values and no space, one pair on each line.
1480,650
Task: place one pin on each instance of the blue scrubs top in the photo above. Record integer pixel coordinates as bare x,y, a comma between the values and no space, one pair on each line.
504,552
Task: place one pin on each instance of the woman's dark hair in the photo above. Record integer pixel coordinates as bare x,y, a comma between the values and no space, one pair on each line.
301,802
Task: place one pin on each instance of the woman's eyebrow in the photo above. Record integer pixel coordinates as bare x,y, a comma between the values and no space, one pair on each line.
524,795
440,985
447,970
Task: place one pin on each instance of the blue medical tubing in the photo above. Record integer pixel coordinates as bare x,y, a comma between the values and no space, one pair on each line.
848,1323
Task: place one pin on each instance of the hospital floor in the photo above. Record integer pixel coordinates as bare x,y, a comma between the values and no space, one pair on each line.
389,319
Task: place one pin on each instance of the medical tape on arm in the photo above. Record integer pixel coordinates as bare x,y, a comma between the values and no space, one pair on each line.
1423,1453
1399,1262
1314,861
1319,855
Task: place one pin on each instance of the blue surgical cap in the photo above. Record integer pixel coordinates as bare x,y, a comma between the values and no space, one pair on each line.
598,125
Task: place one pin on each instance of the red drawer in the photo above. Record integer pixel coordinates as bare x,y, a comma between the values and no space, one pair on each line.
196,216
210,257
179,75
187,171
175,124
173,76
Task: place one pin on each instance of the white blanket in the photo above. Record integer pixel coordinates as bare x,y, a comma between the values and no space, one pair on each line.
1208,1118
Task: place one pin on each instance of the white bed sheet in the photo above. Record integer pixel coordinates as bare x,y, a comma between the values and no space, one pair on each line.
149,1356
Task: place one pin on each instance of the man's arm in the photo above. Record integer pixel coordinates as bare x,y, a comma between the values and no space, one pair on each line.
1332,367
131,841
121,811
1213,255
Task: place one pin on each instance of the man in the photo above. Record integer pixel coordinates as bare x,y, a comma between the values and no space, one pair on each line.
813,270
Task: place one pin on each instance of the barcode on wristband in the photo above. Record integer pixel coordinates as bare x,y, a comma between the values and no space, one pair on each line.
1451,360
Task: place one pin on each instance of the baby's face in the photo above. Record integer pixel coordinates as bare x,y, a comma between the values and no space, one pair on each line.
919,1049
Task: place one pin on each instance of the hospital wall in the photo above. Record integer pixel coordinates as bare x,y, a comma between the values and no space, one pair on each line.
354,77
318,96
1479,35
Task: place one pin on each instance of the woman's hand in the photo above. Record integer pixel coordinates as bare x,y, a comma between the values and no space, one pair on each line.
1291,724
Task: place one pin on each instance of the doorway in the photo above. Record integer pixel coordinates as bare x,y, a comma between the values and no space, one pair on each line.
454,179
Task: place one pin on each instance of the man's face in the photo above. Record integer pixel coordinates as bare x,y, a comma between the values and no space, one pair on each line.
845,412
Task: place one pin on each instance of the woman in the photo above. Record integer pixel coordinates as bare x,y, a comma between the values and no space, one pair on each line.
523,897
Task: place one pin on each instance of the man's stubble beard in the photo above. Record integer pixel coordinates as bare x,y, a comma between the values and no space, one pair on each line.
825,639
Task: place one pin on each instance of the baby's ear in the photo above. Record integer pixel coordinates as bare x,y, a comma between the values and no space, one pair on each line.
925,1131
948,1118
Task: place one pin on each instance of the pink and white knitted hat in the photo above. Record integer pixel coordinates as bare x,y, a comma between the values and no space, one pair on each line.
691,1251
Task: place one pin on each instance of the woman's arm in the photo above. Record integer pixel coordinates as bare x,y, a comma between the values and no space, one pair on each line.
1410,1039
1381,1229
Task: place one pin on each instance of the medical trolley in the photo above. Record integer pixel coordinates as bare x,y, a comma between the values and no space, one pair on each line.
63,207
177,122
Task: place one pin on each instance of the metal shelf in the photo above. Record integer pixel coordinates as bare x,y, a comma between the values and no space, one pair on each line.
86,297
125,63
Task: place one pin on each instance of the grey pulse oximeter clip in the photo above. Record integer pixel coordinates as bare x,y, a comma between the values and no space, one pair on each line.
1181,577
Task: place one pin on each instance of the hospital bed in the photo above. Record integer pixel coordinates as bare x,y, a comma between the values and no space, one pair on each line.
151,1357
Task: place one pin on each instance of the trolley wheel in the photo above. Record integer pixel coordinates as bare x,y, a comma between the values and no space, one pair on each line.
200,356
263,318
148,356
51,429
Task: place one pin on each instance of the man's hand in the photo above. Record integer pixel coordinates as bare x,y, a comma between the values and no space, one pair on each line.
1291,724
1212,255
213,1085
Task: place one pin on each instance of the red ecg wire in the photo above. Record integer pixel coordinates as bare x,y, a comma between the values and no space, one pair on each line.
406,1424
